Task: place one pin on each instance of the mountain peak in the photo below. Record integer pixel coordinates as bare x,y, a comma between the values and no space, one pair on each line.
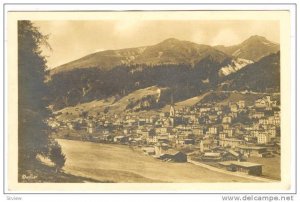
170,40
257,39
253,48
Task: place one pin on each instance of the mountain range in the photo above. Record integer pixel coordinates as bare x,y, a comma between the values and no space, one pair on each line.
169,51
173,51
184,67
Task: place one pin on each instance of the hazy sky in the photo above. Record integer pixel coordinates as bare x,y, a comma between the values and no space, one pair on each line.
71,40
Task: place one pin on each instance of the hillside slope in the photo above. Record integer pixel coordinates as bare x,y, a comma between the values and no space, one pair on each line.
184,67
143,99
259,76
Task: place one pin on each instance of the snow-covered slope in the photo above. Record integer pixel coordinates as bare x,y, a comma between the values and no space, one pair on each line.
234,66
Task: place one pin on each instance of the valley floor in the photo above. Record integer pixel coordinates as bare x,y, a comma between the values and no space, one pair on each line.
119,163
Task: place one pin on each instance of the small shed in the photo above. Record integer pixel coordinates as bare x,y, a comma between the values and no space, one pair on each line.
173,155
252,150
231,155
244,167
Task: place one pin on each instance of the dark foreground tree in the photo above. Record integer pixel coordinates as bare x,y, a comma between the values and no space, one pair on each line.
33,131
56,155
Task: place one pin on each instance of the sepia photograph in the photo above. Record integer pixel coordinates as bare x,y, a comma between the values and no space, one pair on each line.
144,98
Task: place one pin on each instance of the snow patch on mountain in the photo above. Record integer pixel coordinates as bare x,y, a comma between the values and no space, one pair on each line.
234,66
237,52
269,44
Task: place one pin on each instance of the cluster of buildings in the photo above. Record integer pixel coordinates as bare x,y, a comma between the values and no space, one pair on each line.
209,132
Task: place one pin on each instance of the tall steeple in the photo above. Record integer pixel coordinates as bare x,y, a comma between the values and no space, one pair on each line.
172,108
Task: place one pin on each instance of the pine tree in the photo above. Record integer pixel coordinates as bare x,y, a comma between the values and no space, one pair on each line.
33,131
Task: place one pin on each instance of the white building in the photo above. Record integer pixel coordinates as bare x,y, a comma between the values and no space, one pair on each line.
227,119
263,138
232,142
213,130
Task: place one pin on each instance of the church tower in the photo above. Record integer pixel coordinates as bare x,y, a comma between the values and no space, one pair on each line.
172,108
172,113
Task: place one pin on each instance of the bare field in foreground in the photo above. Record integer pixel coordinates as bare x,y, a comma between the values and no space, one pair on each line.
118,163
271,166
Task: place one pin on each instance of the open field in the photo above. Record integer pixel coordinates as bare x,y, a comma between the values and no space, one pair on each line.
271,166
118,163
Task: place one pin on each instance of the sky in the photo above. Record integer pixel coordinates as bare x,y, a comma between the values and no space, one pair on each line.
71,40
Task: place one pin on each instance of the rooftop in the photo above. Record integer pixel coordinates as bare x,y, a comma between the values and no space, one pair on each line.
171,152
251,147
233,152
233,139
239,163
212,154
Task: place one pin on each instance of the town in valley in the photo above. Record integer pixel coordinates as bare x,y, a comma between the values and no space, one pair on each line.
224,136
163,101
